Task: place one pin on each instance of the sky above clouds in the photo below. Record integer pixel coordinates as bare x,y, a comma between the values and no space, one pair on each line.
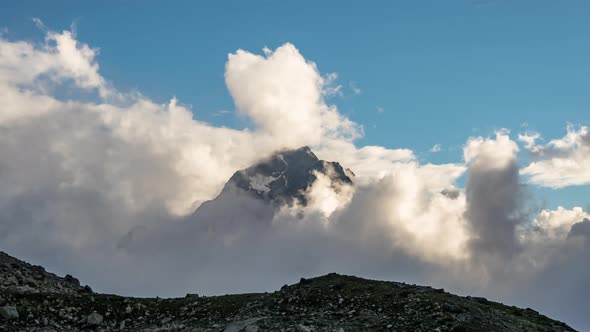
466,125
452,69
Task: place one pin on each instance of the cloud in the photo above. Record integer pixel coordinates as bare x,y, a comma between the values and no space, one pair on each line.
549,267
330,86
529,140
369,161
490,154
435,148
141,162
282,93
355,89
61,57
119,169
561,162
556,224
581,229
221,113
198,158
493,194
407,208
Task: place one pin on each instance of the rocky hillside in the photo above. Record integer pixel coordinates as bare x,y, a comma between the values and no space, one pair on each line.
17,276
328,303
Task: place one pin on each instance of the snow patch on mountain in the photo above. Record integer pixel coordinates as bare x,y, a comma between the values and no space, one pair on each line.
261,183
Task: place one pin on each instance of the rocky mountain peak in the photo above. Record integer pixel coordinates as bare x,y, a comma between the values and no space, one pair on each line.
286,175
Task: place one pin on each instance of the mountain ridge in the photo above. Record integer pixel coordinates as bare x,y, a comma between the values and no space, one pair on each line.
331,302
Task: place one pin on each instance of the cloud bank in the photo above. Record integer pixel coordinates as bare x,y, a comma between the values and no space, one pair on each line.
561,162
80,176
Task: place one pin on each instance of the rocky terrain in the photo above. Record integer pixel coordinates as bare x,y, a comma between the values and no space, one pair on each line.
32,299
17,276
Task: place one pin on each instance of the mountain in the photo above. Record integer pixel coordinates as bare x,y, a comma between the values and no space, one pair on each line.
329,303
246,204
282,179
285,176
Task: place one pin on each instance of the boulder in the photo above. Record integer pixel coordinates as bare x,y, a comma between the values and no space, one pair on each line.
302,328
251,328
242,326
94,319
8,312
70,279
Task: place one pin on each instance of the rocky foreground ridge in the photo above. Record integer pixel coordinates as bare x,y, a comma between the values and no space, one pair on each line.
32,299
20,277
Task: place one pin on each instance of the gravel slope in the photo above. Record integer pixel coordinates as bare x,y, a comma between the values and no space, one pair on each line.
327,303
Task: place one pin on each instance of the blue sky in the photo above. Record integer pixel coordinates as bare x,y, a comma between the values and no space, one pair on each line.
439,71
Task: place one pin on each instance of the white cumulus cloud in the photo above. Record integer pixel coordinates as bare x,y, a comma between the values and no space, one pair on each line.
561,162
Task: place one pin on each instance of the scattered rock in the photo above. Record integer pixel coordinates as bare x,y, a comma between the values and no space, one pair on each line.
301,328
20,277
94,319
25,289
240,326
251,328
72,280
453,308
86,289
8,312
